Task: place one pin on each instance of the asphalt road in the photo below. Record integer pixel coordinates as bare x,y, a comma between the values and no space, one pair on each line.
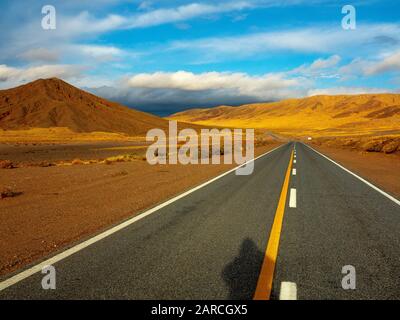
211,243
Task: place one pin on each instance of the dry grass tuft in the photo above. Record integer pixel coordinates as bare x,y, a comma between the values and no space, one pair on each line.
125,158
120,173
7,192
6,164
373,146
383,144
108,162
391,147
77,162
260,142
43,164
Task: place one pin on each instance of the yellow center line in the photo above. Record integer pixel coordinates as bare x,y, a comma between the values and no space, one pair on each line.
264,283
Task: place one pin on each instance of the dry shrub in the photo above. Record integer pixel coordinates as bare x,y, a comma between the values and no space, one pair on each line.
141,157
373,146
120,173
135,156
6,164
108,162
44,164
77,162
350,143
6,192
386,145
391,147
125,158
261,143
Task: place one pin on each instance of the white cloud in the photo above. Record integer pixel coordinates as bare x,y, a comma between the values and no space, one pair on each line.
72,26
267,87
101,53
388,64
10,76
323,68
330,62
40,54
7,73
323,39
145,5
346,90
184,12
354,68
85,23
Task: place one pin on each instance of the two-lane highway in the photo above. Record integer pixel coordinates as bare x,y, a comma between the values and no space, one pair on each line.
219,241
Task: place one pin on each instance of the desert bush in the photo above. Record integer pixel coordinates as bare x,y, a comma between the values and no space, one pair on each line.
120,158
126,157
6,192
391,147
44,164
373,146
6,164
261,143
140,157
77,162
120,173
350,143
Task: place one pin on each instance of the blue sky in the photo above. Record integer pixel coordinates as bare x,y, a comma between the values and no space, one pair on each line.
164,56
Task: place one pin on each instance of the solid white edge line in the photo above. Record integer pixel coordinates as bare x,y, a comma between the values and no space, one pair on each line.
294,172
292,200
358,177
62,255
288,291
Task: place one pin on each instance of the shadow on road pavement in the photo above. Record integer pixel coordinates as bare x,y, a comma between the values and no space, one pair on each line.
242,273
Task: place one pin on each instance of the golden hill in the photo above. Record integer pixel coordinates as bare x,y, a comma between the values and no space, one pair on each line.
53,103
344,115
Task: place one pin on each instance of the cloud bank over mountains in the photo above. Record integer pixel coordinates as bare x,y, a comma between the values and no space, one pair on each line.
164,56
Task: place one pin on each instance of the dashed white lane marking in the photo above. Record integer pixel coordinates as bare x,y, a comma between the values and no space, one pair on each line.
294,161
288,291
358,177
294,172
292,200
64,254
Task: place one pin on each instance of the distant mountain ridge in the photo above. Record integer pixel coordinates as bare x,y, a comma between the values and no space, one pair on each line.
341,113
46,103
